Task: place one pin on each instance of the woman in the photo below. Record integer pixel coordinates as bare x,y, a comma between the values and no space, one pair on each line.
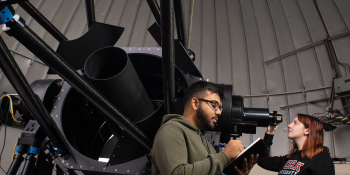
308,155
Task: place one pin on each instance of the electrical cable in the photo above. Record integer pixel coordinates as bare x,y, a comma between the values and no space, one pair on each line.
189,38
11,107
12,114
3,146
343,66
0,130
3,170
1,117
2,114
14,150
344,108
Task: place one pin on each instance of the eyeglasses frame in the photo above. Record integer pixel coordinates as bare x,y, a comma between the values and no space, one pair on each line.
212,103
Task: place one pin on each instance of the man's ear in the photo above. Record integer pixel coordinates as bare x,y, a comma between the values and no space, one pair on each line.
194,103
307,131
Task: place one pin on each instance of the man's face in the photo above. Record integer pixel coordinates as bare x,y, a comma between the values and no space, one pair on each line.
207,114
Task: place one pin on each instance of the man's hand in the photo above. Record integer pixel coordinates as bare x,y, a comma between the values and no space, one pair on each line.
247,167
233,148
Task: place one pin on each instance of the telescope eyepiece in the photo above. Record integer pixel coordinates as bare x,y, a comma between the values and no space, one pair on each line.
276,118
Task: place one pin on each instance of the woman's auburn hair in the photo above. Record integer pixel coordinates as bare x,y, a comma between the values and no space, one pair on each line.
313,144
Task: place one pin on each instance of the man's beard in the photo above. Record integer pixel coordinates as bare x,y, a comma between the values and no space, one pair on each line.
204,119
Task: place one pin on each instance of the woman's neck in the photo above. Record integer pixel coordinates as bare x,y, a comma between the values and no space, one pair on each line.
300,142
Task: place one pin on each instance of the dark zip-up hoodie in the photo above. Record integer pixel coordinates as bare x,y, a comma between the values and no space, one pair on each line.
180,148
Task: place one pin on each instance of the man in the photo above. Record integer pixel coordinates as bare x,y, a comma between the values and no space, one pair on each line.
179,146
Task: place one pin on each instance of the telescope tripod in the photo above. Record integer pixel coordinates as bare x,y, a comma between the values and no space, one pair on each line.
39,153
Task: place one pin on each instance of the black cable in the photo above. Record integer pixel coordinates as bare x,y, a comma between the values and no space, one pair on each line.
1,116
3,146
3,170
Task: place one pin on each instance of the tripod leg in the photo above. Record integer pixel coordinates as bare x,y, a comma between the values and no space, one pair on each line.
17,160
29,164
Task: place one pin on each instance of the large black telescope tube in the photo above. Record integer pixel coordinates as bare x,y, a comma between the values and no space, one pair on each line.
111,72
235,119
260,115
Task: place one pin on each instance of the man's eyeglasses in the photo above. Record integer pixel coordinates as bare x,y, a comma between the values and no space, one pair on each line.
213,103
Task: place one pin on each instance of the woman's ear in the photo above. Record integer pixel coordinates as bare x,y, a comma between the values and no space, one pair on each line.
307,131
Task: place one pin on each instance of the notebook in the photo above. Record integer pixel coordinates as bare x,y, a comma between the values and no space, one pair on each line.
257,147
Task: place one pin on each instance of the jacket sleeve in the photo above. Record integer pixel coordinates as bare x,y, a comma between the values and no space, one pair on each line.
169,155
323,165
267,162
268,140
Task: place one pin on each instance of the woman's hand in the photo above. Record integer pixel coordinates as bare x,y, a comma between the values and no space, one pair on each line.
247,167
271,129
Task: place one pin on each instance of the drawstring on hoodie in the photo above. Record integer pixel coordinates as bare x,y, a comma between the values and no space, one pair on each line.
204,141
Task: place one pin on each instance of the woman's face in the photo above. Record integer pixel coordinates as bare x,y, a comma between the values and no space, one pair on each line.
296,129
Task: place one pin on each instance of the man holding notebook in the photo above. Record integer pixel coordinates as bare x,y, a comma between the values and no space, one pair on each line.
179,146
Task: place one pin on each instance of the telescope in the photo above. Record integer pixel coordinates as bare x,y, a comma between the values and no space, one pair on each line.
102,117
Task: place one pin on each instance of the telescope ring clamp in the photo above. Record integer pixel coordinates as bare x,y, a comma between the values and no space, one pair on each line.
32,150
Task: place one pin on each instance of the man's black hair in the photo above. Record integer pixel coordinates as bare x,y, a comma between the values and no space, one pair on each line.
199,89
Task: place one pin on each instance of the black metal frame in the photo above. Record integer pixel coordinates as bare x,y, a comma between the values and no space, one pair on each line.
90,12
29,39
181,23
15,76
155,9
44,22
168,54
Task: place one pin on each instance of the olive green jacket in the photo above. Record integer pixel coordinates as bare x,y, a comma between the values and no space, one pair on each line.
180,148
